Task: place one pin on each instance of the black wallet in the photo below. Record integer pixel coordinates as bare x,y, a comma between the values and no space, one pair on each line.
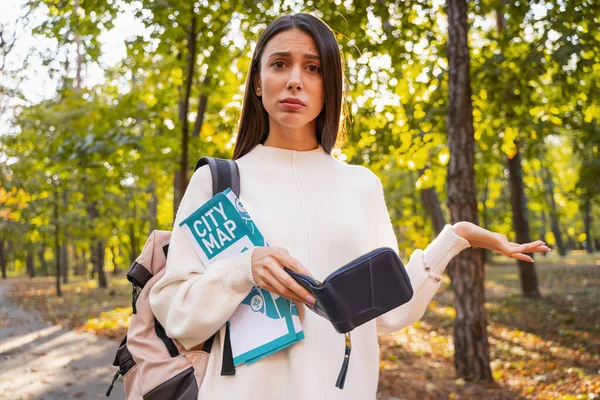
358,292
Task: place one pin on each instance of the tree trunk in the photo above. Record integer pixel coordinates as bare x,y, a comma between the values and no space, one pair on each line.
124,251
518,201
487,254
434,209
89,260
132,236
98,262
542,218
3,258
472,354
152,207
64,257
484,211
97,250
79,269
587,222
549,183
29,261
176,199
520,220
113,252
79,55
543,229
570,243
43,263
76,261
202,103
57,239
184,106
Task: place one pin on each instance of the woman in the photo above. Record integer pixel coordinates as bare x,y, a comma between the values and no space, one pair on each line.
316,212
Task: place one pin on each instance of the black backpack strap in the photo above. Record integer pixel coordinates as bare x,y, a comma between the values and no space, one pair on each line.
227,367
225,174
162,335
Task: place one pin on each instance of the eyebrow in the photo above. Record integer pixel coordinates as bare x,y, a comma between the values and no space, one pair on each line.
288,54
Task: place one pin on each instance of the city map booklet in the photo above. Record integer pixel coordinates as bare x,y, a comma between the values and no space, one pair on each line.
264,322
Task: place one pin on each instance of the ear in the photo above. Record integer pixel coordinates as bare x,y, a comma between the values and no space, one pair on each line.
258,89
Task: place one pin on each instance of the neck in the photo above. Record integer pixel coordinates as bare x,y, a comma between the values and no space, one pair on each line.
298,141
299,145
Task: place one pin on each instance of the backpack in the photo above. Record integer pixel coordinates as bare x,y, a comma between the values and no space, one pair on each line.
154,366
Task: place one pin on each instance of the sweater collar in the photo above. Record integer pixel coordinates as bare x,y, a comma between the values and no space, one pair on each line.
279,156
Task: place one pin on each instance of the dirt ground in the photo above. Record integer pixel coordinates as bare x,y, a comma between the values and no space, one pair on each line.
39,360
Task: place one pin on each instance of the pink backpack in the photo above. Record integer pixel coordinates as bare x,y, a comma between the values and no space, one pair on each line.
154,366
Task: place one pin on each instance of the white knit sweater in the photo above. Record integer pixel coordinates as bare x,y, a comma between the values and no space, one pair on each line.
325,213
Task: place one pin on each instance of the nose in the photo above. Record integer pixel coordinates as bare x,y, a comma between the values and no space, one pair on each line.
295,80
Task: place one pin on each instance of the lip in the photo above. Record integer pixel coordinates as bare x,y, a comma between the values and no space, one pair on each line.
292,100
291,106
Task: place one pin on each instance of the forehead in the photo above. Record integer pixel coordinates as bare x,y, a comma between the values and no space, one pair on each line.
293,40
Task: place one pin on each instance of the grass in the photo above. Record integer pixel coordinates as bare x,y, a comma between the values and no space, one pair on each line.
546,348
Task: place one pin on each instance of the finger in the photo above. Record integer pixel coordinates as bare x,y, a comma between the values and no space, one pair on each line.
268,287
526,245
271,289
521,256
281,290
535,244
537,247
294,287
514,247
274,286
519,248
532,247
288,261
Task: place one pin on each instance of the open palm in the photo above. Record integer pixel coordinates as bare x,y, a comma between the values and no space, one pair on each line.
516,250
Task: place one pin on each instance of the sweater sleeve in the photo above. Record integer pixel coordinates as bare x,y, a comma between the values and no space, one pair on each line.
191,301
437,255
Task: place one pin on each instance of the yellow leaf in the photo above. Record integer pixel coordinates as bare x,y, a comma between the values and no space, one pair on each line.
555,120
592,112
418,114
444,156
177,73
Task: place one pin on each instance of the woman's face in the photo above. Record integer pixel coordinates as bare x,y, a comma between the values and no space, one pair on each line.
290,67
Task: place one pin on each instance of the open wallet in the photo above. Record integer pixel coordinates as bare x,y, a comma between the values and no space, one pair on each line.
358,292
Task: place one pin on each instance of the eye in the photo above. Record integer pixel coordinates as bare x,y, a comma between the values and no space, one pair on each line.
277,62
317,69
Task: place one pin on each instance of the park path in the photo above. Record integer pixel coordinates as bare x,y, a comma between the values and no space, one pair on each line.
39,360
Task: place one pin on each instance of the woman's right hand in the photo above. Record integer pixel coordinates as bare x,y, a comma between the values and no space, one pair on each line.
268,273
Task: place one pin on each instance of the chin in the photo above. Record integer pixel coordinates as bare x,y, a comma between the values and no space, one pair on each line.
293,125
292,120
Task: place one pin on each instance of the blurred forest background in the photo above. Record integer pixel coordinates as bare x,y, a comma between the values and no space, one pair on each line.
104,102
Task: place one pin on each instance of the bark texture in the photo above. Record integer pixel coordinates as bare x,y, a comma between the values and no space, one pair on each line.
472,355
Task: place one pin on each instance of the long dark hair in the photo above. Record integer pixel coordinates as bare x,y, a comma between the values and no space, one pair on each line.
254,122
